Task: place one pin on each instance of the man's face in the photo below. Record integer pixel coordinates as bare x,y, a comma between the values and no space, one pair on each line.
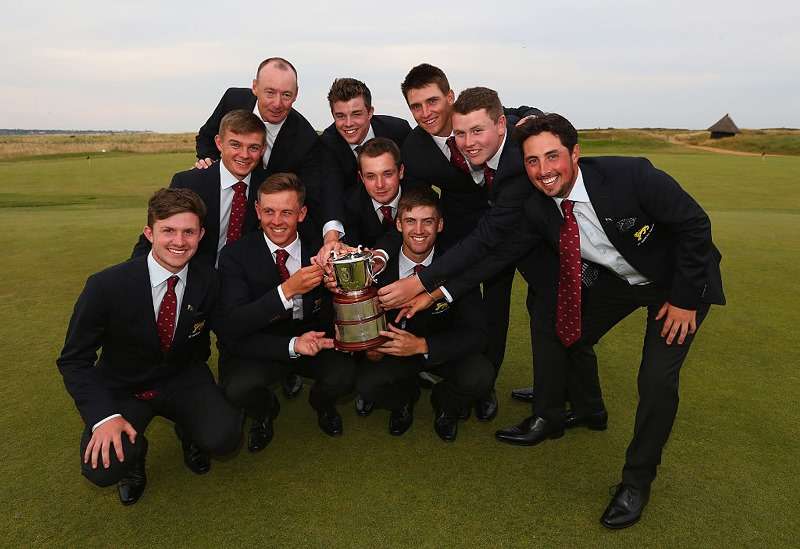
279,214
175,240
381,177
550,166
240,153
276,90
352,119
431,108
478,137
419,226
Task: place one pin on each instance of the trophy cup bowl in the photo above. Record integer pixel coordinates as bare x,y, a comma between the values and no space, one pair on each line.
359,315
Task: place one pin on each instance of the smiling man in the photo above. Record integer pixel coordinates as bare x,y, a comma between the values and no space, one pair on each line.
292,144
445,341
151,317
354,123
275,318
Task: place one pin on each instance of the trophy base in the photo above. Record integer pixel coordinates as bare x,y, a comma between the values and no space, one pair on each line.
353,347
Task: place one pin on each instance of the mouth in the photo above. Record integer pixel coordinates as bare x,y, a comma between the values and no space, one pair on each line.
431,122
177,251
473,153
418,239
242,163
549,181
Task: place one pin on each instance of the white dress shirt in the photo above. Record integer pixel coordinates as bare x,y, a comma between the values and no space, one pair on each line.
293,264
158,287
272,134
226,182
406,265
595,245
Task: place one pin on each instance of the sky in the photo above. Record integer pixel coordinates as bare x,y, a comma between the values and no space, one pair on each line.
163,66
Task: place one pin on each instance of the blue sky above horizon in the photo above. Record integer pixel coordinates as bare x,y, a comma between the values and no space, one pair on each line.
163,66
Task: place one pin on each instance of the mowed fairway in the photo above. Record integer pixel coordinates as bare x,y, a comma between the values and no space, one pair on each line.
729,476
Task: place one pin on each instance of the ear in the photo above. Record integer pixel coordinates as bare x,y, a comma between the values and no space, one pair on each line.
255,87
148,233
441,225
451,97
302,215
371,112
501,123
218,142
397,223
402,171
576,153
202,233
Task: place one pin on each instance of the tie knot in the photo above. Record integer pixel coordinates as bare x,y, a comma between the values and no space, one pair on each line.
386,212
171,282
281,256
566,207
418,267
240,187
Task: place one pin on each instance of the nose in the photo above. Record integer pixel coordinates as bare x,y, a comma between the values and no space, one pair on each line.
425,111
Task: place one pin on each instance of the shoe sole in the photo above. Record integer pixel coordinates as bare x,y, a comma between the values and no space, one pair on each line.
525,443
620,526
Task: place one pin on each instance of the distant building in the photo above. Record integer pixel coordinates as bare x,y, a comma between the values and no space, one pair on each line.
725,127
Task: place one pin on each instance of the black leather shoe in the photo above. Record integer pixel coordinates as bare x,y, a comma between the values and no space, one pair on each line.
464,413
400,420
446,426
626,507
530,431
292,385
597,421
131,486
486,408
196,459
523,394
363,407
261,432
330,421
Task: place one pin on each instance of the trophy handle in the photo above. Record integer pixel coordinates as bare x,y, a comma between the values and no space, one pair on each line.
372,274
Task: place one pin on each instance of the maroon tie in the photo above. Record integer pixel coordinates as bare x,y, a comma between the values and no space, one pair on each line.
281,256
386,212
568,308
166,315
418,267
488,177
238,208
456,158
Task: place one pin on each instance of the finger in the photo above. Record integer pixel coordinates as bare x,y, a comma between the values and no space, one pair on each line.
684,328
666,327
662,311
118,447
131,433
396,330
104,452
95,453
387,333
88,452
400,315
693,325
673,332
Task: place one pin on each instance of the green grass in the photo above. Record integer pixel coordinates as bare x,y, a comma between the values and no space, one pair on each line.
728,476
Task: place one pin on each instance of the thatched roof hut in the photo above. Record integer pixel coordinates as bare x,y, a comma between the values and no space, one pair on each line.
724,127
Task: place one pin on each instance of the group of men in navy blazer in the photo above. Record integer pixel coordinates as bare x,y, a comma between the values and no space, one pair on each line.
240,243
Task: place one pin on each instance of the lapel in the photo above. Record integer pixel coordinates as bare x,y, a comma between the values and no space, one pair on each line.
281,149
209,192
190,305
142,295
372,227
599,192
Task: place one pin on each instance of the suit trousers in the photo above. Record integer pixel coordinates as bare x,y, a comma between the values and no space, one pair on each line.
191,399
248,383
605,304
497,304
393,382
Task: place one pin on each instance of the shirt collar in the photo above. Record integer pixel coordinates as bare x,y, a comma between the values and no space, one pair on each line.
494,161
293,249
578,192
406,265
377,205
158,274
370,135
272,129
228,180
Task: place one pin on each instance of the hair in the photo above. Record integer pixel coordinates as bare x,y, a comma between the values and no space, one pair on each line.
345,89
378,146
548,122
419,196
424,75
242,122
284,181
279,62
474,99
167,202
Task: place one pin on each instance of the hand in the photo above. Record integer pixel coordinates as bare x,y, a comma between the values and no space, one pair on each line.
678,321
108,434
397,293
523,120
417,304
374,356
402,343
310,343
203,163
302,281
332,244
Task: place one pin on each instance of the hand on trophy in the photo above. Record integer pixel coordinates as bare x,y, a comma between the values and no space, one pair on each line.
310,343
415,305
402,343
397,293
302,281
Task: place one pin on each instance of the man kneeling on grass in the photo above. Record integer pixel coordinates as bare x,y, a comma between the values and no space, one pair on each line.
150,316
446,340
